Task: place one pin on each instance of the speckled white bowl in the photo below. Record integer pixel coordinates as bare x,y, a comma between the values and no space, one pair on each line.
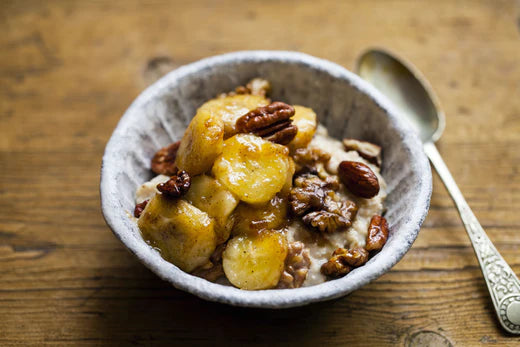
347,105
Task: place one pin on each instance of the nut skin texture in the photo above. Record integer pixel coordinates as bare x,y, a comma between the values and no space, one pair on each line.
176,186
139,208
163,162
377,233
359,179
271,122
343,261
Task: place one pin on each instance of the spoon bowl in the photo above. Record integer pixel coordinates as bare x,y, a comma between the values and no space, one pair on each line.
413,96
407,88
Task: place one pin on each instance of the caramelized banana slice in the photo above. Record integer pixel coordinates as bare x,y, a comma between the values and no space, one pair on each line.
249,219
305,119
184,234
209,195
230,108
252,168
255,261
201,143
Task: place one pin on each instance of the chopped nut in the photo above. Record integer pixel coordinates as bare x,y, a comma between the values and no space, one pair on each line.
139,208
271,122
305,180
367,150
359,179
176,186
335,216
327,214
377,233
325,222
305,196
163,162
310,156
297,264
343,261
346,209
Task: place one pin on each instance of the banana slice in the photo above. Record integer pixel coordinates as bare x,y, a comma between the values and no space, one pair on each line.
230,108
184,234
255,261
201,143
305,119
252,168
210,196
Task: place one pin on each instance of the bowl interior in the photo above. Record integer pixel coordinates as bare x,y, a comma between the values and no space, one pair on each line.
346,105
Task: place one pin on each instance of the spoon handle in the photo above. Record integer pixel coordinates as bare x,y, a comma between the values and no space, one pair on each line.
502,283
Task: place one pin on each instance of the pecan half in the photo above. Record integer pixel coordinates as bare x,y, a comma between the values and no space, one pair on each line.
139,208
359,179
163,162
272,122
377,233
367,150
176,186
343,261
297,264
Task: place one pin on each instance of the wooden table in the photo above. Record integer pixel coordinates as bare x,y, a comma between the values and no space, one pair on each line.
68,71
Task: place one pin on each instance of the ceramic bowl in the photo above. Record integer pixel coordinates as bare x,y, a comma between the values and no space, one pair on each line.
345,104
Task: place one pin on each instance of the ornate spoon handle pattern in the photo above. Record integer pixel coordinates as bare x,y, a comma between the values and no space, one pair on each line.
502,283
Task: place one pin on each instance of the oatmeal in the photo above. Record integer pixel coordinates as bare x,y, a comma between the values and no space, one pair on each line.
257,195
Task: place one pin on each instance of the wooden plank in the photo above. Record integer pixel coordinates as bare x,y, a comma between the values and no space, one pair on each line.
69,69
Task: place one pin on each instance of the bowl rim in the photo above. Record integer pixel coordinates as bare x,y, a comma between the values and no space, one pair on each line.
113,210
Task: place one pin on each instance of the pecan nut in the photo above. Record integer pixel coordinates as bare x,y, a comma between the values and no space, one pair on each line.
176,186
297,264
377,233
272,122
359,179
163,162
366,150
139,208
343,261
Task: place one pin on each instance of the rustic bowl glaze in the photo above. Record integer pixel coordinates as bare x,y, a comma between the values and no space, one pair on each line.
345,104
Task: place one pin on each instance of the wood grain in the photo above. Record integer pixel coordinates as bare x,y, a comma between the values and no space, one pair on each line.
69,69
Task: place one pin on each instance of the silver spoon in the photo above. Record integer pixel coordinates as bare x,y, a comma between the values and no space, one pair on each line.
412,94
